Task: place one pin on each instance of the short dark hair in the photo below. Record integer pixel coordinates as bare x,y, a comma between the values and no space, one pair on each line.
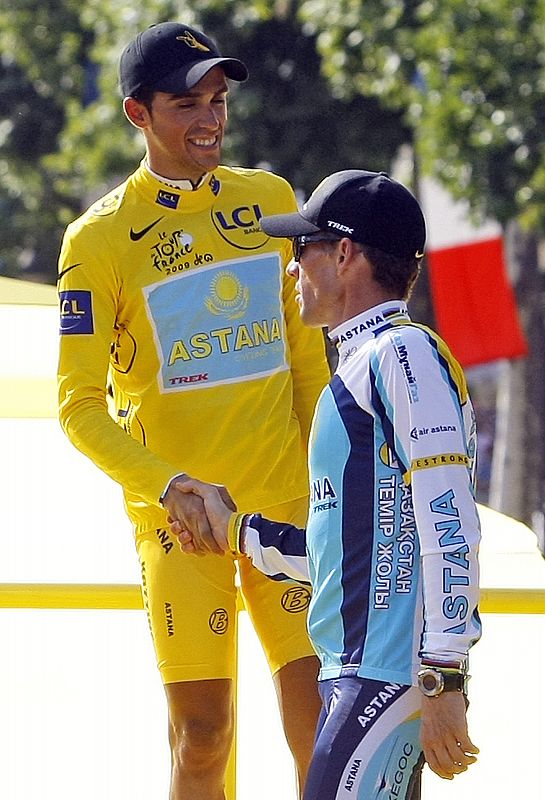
395,274
145,95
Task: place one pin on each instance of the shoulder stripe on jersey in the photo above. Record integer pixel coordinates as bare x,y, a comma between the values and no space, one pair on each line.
385,412
357,522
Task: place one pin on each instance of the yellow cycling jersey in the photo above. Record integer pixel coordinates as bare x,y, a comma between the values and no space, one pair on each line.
178,304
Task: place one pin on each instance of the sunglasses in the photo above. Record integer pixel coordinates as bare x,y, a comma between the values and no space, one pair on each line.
299,243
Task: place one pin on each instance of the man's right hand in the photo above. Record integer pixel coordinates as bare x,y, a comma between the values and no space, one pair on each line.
189,518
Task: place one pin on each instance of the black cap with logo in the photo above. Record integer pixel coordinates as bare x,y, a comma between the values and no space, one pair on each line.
368,207
172,57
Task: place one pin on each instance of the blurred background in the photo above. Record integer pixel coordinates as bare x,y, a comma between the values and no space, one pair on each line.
448,96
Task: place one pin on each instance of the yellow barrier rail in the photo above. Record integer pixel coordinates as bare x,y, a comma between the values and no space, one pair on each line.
122,596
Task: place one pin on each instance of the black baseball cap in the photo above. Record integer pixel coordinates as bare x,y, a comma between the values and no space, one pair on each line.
367,207
172,57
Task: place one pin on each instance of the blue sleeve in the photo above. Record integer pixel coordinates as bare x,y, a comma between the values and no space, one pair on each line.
277,549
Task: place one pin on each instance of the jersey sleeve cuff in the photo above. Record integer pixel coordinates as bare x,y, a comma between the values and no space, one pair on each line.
234,530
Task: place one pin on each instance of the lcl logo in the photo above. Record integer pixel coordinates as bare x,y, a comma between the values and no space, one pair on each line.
240,227
241,217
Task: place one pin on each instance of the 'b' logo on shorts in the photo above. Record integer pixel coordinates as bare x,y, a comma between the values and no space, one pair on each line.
296,599
219,621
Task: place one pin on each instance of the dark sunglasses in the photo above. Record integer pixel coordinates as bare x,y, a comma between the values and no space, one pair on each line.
299,243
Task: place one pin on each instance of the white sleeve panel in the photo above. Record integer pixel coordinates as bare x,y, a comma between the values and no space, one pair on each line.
434,432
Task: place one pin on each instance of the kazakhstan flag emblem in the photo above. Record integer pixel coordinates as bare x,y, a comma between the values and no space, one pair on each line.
228,297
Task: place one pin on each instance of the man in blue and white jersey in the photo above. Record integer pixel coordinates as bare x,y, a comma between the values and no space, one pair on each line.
392,537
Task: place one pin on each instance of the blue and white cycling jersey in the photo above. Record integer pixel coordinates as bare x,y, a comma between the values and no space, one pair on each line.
393,530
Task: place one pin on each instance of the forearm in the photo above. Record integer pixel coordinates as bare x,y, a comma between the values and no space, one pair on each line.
277,549
448,527
91,430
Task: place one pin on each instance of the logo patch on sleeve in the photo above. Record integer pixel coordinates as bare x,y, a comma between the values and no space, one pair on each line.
76,309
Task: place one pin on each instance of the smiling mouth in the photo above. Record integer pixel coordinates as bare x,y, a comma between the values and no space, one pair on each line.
205,142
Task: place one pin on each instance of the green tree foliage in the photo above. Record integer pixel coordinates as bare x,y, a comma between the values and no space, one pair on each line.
469,75
64,140
287,115
39,76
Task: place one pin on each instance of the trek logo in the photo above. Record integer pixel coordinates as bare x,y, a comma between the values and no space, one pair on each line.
240,226
338,227
197,378
322,495
137,235
188,39
76,310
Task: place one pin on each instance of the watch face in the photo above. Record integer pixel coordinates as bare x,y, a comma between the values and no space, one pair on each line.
431,682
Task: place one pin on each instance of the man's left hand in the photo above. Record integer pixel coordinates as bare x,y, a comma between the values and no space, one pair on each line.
444,735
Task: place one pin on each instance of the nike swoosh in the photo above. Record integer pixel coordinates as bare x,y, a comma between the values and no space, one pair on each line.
63,273
137,235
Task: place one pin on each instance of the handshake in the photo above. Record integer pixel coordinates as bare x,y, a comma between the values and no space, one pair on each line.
198,515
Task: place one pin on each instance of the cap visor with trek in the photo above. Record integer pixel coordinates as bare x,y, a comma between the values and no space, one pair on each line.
288,225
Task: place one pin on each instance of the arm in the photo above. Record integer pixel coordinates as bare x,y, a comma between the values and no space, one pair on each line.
89,289
432,434
277,549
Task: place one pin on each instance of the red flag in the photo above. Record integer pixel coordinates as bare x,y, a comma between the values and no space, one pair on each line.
473,300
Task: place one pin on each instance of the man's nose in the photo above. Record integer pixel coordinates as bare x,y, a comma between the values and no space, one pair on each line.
209,117
293,269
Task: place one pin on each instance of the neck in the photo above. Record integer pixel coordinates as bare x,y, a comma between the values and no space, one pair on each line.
178,183
356,303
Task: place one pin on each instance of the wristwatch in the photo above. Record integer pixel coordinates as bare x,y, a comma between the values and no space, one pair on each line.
433,681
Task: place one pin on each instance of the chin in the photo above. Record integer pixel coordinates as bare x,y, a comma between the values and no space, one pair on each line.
309,319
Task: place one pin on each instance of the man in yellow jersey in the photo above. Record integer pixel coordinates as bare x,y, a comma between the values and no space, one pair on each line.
171,294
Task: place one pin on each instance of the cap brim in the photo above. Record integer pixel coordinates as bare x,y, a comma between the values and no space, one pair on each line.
189,75
287,225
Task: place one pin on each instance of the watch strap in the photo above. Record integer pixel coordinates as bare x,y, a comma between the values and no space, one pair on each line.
453,681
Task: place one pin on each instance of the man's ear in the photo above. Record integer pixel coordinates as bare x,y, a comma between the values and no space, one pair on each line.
136,112
346,251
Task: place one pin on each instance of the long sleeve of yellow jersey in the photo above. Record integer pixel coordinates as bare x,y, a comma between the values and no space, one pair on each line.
83,377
